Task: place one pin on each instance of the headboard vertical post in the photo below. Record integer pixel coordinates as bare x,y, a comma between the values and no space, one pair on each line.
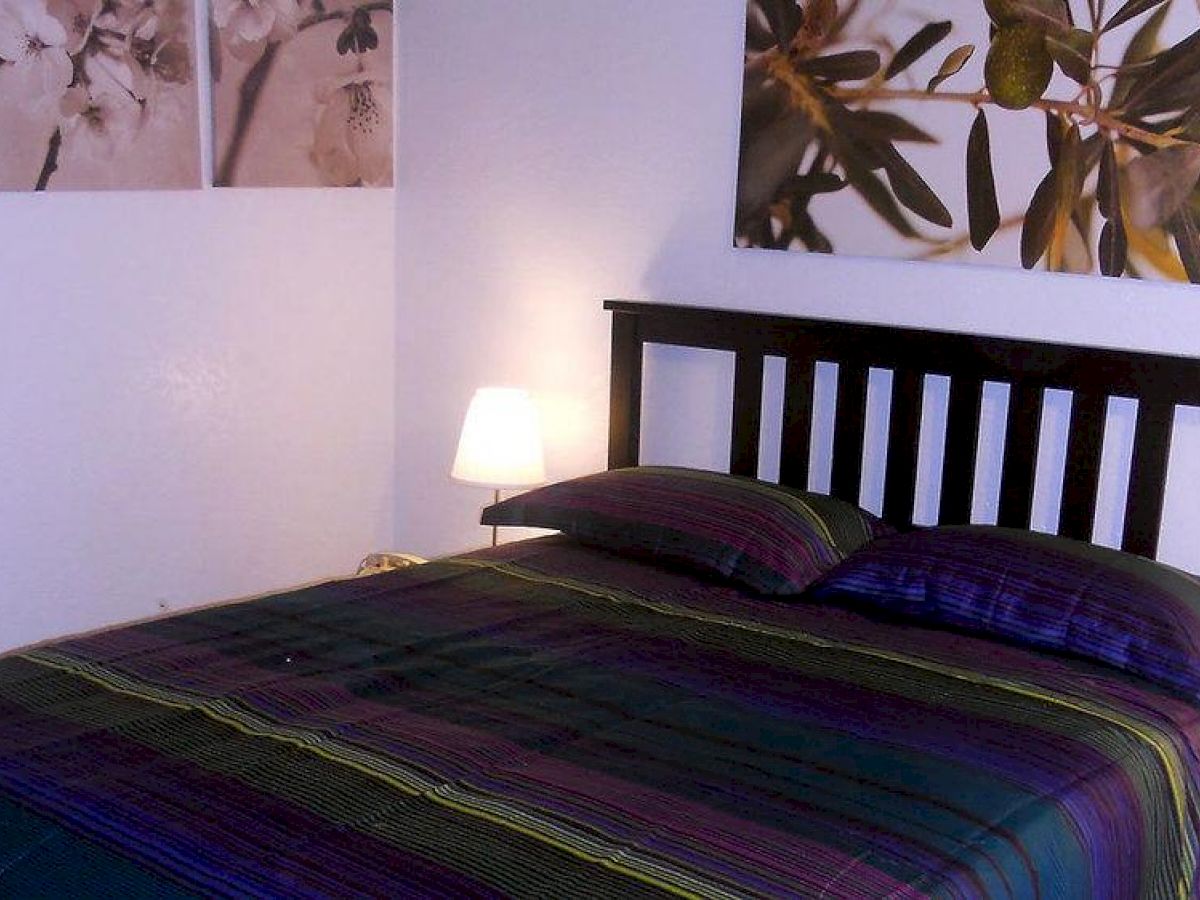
1148,476
747,413
625,392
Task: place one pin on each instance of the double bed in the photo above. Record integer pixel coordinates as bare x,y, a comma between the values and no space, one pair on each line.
672,706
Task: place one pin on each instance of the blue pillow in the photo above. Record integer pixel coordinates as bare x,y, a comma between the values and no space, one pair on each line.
1034,589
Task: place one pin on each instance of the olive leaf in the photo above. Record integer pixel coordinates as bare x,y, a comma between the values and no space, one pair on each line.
1052,16
1130,10
1039,220
815,183
1054,136
853,65
1137,53
879,198
1170,82
1073,53
1113,249
1068,187
983,210
1108,184
1160,183
810,235
784,18
1187,239
877,125
951,65
911,189
916,47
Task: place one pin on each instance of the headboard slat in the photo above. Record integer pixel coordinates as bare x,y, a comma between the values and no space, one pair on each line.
962,445
1085,443
904,438
1148,476
849,432
1018,468
796,437
747,413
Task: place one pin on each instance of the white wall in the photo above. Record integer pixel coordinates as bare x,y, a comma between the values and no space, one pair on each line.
196,395
555,154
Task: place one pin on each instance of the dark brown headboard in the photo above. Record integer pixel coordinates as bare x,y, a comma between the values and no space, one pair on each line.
1158,382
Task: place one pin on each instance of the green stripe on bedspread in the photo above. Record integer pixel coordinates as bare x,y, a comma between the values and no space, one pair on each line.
549,720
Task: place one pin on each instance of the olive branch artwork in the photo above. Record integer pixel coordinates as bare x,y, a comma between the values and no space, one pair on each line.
1121,154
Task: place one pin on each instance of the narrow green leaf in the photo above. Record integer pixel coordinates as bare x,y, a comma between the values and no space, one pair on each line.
880,199
1113,249
1039,221
1138,52
983,210
1169,69
808,232
878,125
951,65
857,166
1187,241
1054,136
1051,16
815,183
853,65
784,17
1128,11
1108,185
912,190
1073,53
916,47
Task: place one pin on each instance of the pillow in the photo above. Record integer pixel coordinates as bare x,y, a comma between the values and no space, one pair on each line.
769,538
1038,590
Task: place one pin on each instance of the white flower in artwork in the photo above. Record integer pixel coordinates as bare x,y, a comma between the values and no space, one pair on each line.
34,42
77,17
96,126
248,24
353,143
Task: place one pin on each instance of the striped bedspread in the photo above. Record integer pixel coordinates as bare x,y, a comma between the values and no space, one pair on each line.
547,720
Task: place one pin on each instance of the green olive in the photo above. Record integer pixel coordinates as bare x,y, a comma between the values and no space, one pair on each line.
1018,66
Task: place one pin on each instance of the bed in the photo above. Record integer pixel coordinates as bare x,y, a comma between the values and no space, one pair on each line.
574,716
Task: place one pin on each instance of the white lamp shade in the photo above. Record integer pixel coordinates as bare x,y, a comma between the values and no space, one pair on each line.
501,441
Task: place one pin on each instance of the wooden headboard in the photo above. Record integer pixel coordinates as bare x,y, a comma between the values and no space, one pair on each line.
1157,382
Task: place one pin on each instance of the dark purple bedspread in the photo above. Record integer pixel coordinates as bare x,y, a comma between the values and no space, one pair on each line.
549,720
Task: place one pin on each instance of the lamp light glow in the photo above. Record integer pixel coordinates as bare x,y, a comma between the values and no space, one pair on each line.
501,441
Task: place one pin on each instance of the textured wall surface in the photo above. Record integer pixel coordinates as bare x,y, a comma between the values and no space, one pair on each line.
195,398
555,154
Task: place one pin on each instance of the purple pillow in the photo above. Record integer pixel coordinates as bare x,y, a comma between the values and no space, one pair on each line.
1038,590
769,538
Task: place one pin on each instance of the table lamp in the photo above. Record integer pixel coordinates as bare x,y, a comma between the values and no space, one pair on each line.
501,443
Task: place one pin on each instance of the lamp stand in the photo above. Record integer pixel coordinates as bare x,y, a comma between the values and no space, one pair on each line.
495,499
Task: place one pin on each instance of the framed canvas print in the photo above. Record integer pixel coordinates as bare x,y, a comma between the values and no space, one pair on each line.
98,94
302,93
1058,134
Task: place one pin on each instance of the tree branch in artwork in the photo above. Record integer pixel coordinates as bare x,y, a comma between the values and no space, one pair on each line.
50,165
815,120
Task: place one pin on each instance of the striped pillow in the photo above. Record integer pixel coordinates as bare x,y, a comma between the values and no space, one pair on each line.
769,538
1038,590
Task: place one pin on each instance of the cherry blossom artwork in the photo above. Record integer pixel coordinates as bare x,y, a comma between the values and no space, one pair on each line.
98,94
302,92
